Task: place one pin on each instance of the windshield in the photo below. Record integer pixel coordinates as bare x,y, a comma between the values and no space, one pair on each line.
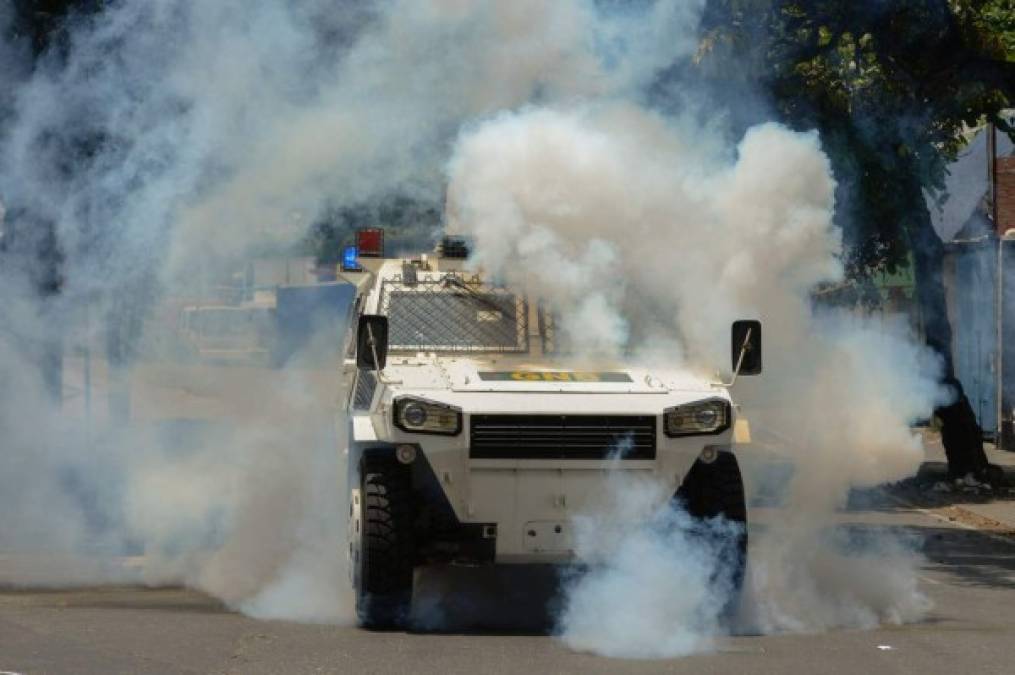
453,313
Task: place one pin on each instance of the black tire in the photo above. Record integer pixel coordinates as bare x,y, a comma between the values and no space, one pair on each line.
384,591
713,490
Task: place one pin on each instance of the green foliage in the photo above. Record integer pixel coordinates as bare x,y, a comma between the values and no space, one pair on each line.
994,23
893,87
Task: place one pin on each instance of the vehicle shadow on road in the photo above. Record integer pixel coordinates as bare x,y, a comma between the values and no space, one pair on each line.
508,600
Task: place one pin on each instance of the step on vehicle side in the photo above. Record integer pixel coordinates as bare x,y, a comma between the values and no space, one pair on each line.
471,441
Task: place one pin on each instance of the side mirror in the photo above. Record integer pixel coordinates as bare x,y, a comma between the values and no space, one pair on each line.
372,342
746,347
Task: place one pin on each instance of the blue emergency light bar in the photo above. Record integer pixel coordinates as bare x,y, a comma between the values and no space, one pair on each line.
349,259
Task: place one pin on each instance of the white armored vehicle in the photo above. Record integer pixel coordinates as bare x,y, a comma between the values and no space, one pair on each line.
471,442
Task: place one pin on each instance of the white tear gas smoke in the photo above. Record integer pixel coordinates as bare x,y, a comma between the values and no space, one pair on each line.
157,141
207,129
621,220
233,122
657,582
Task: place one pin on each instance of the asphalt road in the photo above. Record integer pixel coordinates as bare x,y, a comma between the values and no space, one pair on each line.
494,622
969,575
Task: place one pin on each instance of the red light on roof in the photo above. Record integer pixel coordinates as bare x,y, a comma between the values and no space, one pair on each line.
370,242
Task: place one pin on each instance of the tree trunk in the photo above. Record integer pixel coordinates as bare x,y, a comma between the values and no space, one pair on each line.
960,432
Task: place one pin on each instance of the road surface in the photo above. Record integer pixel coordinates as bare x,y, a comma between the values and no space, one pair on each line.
969,575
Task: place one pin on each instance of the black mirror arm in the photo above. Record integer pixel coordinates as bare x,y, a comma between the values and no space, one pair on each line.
740,360
373,351
743,352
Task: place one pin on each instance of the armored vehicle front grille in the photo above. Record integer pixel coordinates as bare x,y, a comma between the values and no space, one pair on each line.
562,436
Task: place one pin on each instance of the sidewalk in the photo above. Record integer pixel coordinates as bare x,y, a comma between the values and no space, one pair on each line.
984,508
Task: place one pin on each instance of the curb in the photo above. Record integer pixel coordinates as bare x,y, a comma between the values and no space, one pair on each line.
963,518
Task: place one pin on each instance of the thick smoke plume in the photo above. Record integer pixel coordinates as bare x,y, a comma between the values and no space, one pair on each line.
657,581
641,226
156,143
167,138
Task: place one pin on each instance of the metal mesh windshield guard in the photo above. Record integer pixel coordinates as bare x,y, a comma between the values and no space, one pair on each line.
453,314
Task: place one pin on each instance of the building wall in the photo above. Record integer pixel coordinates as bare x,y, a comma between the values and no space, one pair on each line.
970,271
1005,170
1005,194
1008,344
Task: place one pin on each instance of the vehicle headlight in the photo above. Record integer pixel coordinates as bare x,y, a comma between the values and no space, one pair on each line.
702,417
426,417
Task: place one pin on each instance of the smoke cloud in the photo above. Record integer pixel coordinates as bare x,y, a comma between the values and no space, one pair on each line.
657,583
641,225
170,138
158,143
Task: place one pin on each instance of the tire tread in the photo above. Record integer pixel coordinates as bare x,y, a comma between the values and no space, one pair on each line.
385,594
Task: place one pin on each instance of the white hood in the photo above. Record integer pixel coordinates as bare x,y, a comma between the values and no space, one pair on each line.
466,375
473,375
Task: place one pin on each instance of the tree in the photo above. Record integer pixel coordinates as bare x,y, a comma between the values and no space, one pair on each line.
893,88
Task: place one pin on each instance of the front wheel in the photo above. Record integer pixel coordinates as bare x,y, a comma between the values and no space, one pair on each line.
717,490
382,544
